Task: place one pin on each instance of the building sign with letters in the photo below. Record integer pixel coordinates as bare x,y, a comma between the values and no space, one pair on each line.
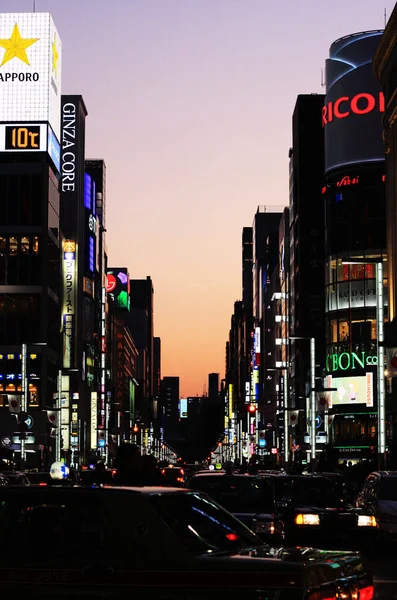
69,300
30,69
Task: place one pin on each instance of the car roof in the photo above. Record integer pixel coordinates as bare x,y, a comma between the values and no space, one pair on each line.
385,473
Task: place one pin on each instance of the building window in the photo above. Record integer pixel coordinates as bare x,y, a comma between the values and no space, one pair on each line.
13,246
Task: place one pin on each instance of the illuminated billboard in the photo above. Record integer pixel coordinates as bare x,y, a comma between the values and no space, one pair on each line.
69,300
30,69
351,390
30,137
183,408
354,103
118,287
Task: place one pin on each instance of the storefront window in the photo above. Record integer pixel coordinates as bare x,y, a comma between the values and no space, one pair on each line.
343,331
334,331
13,248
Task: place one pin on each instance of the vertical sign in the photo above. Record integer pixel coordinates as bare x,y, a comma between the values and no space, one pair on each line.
94,421
69,301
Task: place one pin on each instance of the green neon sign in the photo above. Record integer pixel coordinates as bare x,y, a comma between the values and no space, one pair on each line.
349,361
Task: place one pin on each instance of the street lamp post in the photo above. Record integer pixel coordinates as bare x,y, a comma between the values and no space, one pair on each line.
380,353
312,394
24,396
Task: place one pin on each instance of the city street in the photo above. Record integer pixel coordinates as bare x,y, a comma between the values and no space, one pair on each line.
385,574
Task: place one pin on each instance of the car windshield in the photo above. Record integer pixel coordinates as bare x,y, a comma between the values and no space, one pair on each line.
301,491
202,525
236,494
388,488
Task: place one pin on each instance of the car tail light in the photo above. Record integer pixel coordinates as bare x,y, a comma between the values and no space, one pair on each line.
366,521
328,593
364,593
42,484
308,519
182,472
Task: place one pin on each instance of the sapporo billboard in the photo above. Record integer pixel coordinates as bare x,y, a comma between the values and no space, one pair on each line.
30,69
354,103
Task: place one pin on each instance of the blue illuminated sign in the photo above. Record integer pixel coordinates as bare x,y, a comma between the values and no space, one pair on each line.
262,443
91,254
101,443
87,191
54,149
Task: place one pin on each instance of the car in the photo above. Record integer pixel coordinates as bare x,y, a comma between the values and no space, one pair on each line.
378,497
168,543
174,476
39,478
16,478
246,497
298,509
314,511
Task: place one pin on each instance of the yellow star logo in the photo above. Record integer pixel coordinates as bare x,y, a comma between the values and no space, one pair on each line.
55,56
16,46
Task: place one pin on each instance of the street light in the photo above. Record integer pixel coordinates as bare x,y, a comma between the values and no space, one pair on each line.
312,393
380,353
24,396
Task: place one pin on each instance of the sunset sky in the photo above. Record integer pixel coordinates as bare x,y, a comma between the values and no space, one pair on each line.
190,103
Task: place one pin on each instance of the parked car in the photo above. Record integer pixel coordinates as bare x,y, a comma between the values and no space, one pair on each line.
167,543
378,497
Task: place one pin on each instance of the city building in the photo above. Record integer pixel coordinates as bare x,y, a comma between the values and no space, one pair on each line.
30,238
355,252
142,329
306,261
170,408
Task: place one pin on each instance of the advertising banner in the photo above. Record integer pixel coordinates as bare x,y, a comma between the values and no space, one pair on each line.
30,69
354,103
69,300
118,287
351,390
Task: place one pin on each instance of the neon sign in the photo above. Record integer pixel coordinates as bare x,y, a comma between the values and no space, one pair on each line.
346,180
349,360
360,104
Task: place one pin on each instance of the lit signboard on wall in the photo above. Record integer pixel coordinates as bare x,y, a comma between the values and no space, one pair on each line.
351,390
30,137
354,103
183,408
69,300
118,287
30,69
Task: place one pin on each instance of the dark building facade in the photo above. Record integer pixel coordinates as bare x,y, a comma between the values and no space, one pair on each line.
170,408
306,254
355,241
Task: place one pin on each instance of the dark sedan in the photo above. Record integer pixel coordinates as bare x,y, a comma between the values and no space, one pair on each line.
301,509
163,543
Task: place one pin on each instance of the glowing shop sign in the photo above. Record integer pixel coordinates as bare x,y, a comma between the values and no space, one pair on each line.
349,360
360,104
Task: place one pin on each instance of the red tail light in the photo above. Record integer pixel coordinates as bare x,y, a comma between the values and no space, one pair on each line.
232,537
367,593
42,484
325,594
182,472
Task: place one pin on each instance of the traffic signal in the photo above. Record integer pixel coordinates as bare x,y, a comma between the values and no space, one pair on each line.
135,429
252,408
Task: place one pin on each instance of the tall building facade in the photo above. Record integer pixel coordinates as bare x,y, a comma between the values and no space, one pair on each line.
354,195
142,329
170,406
30,238
306,260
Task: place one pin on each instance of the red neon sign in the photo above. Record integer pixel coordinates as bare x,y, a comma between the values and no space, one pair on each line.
360,104
110,283
346,180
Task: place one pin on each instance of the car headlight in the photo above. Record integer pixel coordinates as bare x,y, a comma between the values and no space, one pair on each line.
366,521
307,519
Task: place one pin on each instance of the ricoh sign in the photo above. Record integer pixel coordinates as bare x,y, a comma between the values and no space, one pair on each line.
354,103
30,69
